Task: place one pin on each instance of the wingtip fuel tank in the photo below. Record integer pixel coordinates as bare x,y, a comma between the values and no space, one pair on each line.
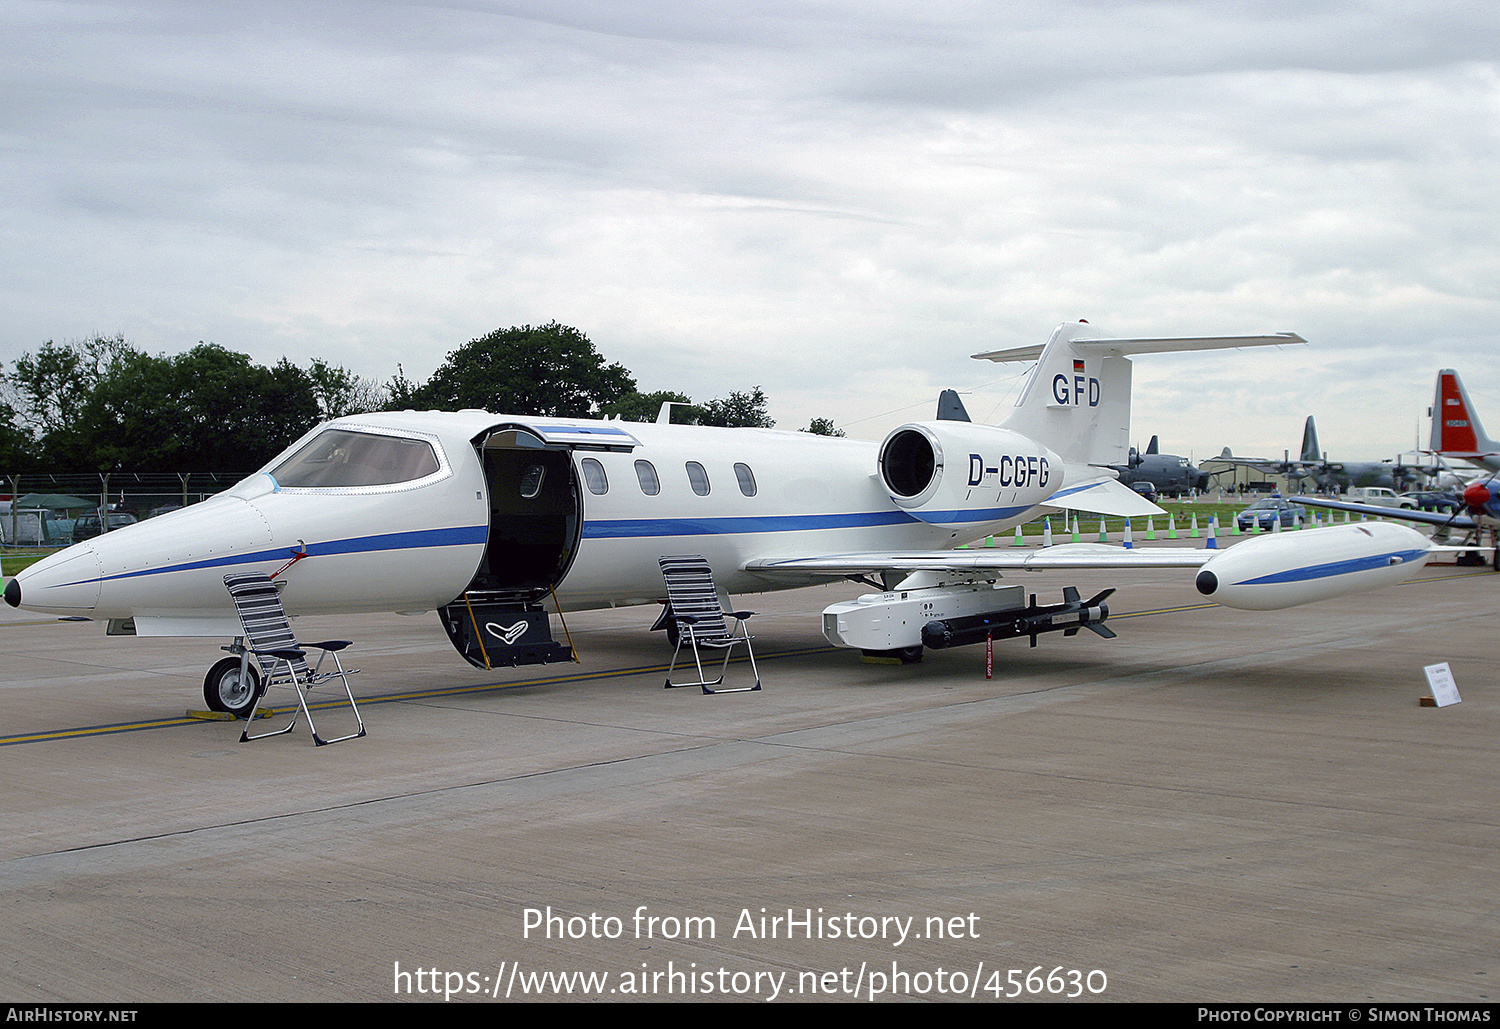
1288,569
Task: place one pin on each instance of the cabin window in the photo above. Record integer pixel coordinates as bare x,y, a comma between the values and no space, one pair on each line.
645,472
338,457
746,478
531,481
593,474
698,477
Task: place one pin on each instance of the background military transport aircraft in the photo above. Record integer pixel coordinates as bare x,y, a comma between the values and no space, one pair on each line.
1171,474
485,518
1456,433
1344,475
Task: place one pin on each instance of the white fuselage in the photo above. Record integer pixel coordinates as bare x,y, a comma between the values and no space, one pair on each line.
417,545
415,511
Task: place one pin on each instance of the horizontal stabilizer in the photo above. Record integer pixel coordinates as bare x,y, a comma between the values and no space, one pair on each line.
1156,345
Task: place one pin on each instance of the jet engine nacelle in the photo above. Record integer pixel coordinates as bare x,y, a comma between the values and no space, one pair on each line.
1287,569
944,472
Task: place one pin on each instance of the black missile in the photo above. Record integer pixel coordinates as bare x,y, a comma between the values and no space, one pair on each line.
1033,620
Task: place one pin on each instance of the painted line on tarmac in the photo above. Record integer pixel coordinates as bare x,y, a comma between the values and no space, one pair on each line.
86,731
83,732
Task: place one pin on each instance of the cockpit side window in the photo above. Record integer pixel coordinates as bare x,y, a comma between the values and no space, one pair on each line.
341,458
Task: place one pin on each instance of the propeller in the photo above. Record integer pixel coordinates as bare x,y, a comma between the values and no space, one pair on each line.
1480,497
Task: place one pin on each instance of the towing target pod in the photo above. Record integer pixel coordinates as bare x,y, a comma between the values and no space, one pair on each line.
1272,572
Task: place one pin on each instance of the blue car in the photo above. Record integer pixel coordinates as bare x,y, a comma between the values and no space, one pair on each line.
1432,500
1263,514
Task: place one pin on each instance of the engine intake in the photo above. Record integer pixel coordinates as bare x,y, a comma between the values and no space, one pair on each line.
908,462
945,472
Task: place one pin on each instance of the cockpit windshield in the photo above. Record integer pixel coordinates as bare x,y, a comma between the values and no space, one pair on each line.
339,457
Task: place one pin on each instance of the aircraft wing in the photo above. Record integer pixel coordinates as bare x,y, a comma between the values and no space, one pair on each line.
1065,556
1452,521
1260,464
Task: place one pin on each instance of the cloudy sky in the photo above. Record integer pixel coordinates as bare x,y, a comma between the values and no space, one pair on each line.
838,200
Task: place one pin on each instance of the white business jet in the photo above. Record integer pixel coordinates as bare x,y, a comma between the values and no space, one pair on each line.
487,518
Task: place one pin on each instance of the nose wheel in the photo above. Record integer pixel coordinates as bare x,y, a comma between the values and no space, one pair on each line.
231,687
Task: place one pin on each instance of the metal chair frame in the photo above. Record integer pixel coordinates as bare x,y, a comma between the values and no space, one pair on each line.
699,614
283,661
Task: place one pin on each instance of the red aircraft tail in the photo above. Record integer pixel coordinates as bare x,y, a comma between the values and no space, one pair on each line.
1456,431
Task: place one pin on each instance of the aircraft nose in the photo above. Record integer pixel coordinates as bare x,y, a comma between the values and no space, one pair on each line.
65,582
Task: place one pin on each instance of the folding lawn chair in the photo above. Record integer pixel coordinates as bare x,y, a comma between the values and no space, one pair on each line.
693,602
269,637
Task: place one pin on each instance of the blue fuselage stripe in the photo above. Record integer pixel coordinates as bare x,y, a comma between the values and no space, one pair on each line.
469,535
462,535
1323,571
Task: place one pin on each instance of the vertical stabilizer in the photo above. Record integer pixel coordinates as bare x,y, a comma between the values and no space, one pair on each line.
1077,401
951,407
1456,430
1310,450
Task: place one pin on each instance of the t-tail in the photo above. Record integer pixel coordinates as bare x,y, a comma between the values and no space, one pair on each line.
1077,401
1456,431
1053,451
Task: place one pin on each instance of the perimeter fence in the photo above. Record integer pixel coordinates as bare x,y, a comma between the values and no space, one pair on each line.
39,509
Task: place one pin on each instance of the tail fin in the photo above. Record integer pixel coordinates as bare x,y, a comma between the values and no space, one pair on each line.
1456,431
1310,451
951,407
1077,401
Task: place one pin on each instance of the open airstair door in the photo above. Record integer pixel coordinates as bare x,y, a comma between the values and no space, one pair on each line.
536,521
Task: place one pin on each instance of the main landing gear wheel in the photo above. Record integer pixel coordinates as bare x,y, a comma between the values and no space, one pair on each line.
224,689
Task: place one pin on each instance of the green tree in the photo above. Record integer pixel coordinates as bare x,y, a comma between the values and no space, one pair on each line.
15,446
644,407
47,390
823,427
550,370
738,410
400,392
209,408
101,404
340,392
